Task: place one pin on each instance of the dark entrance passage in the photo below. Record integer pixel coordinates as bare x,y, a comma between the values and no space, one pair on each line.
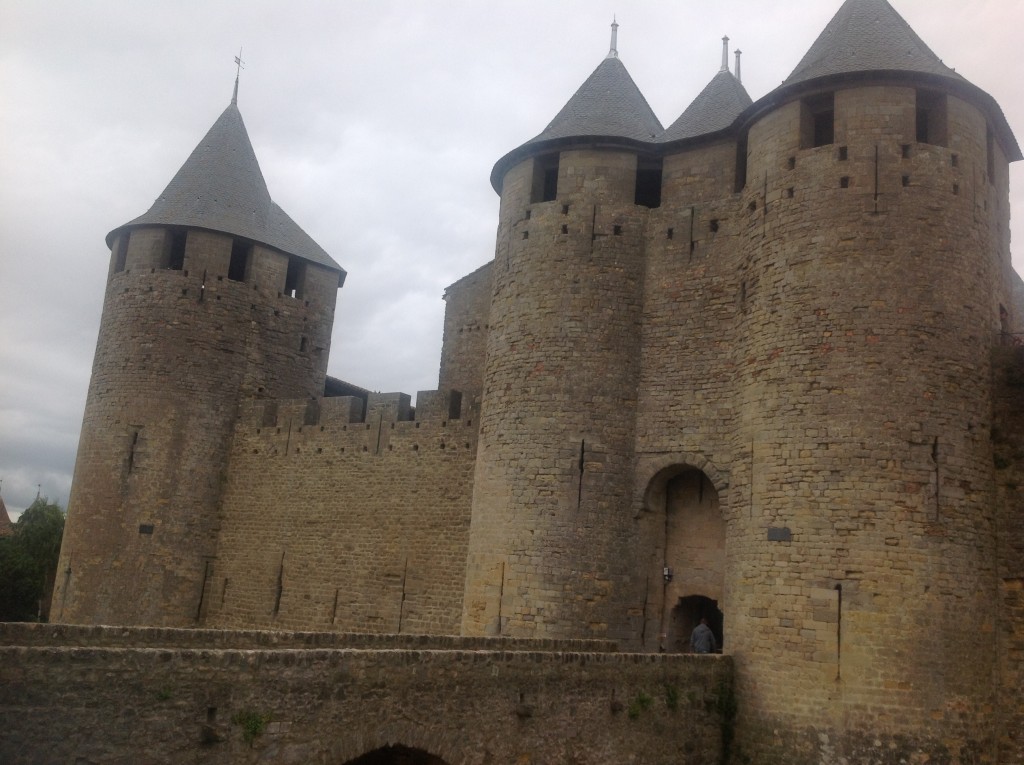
687,615
397,755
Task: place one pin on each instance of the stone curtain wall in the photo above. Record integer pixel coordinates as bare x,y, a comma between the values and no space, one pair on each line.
468,706
336,521
1008,441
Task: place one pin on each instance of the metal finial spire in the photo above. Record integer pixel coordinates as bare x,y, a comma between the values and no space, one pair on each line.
725,54
613,50
240,65
737,72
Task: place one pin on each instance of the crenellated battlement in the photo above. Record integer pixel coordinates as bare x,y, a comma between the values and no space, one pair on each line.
333,415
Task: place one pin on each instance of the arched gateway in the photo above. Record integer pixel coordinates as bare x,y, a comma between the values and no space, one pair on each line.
684,530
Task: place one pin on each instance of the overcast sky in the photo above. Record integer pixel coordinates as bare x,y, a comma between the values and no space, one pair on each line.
376,124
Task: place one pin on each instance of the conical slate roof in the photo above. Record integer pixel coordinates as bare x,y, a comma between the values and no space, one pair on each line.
220,187
866,36
716,108
608,104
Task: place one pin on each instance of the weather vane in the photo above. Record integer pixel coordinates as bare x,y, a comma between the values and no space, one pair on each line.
239,66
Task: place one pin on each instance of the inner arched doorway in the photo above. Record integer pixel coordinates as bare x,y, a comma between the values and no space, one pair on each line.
686,615
397,755
685,532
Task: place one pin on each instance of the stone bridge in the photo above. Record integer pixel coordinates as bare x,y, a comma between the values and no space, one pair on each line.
92,695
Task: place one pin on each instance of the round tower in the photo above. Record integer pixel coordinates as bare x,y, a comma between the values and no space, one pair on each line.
554,466
213,295
861,576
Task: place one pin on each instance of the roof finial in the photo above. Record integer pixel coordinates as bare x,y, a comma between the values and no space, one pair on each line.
737,72
725,54
238,70
613,51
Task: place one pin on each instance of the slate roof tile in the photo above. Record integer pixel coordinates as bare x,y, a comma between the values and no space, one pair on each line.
866,36
221,187
716,108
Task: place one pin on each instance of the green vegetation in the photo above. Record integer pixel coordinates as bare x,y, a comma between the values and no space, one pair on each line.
28,562
641,703
252,722
672,697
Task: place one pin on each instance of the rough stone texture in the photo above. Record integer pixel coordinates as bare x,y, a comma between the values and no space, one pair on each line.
466,325
553,469
330,522
1008,441
112,704
178,349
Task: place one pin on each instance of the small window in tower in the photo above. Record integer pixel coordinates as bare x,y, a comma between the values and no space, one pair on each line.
648,183
294,278
931,117
740,181
817,121
238,268
990,156
545,179
174,249
121,252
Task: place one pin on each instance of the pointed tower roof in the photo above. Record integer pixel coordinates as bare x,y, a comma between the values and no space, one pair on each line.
867,35
868,40
220,187
608,106
717,106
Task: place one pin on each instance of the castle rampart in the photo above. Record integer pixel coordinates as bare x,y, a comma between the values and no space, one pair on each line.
464,704
333,520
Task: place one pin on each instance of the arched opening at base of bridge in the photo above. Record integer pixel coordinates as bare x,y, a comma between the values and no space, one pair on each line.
397,755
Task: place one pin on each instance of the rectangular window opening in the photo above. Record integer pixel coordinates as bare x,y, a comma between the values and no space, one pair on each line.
294,278
990,156
174,249
238,267
545,179
931,117
817,121
121,252
740,180
648,183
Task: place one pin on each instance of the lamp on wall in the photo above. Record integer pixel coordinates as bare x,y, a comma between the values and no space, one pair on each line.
667,573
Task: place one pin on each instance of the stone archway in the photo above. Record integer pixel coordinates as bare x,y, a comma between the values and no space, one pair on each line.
685,533
397,755
686,615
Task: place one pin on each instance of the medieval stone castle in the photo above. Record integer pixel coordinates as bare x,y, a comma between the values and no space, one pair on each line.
757,367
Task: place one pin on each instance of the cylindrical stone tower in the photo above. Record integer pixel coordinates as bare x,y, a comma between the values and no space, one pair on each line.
861,577
554,465
213,295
